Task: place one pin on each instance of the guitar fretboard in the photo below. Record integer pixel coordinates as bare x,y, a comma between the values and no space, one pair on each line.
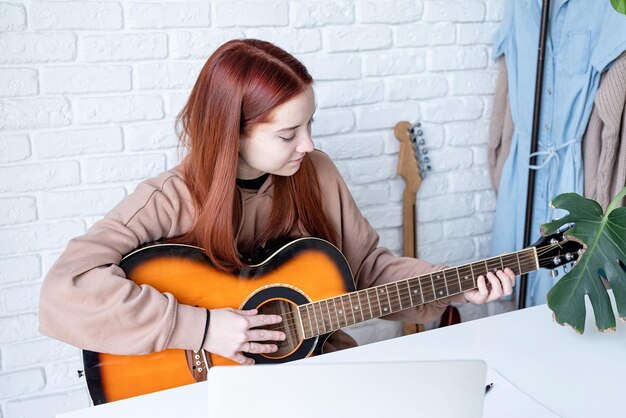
329,315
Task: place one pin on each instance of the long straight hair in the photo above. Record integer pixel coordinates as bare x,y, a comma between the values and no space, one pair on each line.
238,88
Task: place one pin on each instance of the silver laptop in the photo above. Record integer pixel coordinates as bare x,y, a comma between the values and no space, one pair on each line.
390,389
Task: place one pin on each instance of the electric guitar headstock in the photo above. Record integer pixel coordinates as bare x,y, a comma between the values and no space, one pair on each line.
413,162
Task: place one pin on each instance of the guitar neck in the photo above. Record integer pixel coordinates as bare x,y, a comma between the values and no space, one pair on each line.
329,315
409,230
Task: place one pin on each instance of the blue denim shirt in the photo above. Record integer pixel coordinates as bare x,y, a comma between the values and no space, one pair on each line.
584,37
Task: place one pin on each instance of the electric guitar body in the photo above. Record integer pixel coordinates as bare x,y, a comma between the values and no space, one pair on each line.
303,271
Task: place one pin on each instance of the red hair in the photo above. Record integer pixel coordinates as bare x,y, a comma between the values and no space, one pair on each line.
238,88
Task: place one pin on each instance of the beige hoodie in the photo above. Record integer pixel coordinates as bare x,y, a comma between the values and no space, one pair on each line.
87,301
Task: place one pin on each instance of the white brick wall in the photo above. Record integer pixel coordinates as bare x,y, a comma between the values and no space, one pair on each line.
89,91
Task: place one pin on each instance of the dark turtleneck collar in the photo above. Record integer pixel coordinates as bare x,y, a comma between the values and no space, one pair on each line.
253,184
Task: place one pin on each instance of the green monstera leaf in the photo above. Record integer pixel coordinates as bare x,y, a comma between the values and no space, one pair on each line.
619,5
604,238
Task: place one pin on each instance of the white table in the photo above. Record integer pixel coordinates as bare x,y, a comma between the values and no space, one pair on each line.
573,375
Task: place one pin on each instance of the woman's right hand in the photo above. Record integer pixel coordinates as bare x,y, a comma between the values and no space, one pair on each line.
230,334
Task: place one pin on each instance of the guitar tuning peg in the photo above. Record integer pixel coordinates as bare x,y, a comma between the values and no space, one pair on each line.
422,141
554,273
420,132
426,160
424,150
428,167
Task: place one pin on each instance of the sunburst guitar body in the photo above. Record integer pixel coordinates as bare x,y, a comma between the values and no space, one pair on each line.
303,271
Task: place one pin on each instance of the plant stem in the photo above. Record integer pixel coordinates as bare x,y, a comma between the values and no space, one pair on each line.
616,200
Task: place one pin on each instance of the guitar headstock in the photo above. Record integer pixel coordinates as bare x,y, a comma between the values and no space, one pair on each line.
413,162
557,250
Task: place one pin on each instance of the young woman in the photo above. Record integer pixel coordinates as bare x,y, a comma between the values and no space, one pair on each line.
251,177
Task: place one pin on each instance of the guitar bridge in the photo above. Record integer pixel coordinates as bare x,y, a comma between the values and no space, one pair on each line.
198,364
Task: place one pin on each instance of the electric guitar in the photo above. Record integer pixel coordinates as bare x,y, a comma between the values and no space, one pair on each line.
412,167
413,164
307,281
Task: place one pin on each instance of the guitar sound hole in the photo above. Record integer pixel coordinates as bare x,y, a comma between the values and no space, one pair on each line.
290,326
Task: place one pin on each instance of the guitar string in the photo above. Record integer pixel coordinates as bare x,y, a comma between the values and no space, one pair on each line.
439,281
395,300
399,300
289,324
318,326
459,269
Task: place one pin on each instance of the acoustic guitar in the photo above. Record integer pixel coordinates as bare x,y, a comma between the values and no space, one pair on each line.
307,281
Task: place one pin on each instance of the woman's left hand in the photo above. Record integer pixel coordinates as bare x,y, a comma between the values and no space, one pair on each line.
501,284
